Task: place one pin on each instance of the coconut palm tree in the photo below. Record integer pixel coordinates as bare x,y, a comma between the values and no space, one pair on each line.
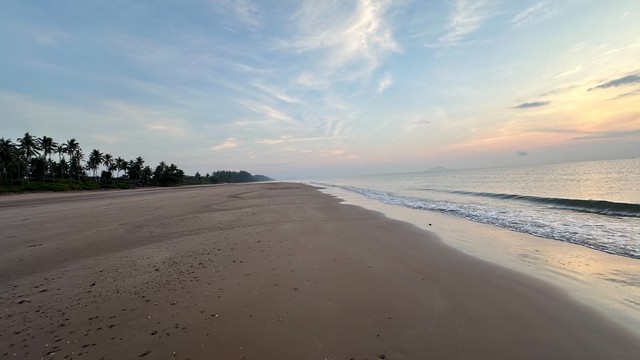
75,155
146,175
48,146
28,148
76,164
107,161
7,157
61,150
95,160
121,165
135,169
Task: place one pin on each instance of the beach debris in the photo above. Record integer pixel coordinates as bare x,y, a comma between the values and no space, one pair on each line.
147,352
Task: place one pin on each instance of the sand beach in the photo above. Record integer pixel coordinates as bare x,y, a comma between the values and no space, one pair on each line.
267,271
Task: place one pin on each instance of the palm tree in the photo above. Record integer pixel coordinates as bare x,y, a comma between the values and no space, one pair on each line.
28,148
95,160
61,150
48,146
7,157
146,174
121,165
135,168
76,165
75,154
107,160
64,168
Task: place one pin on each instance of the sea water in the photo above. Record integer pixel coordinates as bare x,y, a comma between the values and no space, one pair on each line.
594,204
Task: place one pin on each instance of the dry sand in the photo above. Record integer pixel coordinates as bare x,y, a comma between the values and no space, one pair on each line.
265,271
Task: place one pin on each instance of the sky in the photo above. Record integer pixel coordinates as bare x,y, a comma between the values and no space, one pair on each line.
311,89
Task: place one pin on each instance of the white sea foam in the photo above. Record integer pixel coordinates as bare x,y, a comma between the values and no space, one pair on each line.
598,224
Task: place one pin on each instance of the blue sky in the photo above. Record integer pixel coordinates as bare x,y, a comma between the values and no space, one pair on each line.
314,88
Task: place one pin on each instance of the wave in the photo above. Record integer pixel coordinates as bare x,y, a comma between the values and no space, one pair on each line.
551,225
601,207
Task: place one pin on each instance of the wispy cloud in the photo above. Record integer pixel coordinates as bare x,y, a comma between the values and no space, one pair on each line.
631,93
540,10
625,80
466,18
276,93
48,37
268,112
290,139
609,135
360,36
245,11
533,104
153,120
569,72
310,80
559,131
173,128
228,144
385,81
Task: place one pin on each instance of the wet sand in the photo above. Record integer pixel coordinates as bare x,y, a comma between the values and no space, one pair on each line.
608,282
265,271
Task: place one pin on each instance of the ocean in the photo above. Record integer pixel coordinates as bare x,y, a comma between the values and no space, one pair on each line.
594,204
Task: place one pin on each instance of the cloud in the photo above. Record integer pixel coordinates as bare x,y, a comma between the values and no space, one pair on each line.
522,153
533,104
49,37
290,139
631,93
625,80
228,144
466,18
608,135
269,112
384,83
559,131
334,152
244,10
361,36
278,94
559,90
569,72
172,128
273,164
536,12
158,121
308,80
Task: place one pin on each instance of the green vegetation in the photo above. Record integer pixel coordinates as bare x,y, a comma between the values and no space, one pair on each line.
27,166
225,177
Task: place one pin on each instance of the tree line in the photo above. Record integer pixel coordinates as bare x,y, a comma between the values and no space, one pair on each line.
226,177
30,159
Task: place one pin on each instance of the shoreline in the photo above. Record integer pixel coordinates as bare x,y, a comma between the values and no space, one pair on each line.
608,282
270,270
